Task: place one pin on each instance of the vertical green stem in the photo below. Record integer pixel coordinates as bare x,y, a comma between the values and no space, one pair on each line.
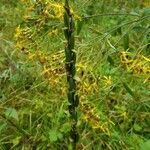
71,71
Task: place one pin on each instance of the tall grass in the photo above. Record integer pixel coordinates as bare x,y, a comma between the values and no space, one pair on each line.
110,74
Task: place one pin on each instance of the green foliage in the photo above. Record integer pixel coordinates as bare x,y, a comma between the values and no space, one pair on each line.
112,74
11,113
54,135
128,89
145,145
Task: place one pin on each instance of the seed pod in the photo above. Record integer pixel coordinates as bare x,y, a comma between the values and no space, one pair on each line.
66,24
74,116
76,102
71,84
72,24
70,97
75,135
74,56
66,4
66,33
73,70
126,41
66,19
68,55
71,109
72,41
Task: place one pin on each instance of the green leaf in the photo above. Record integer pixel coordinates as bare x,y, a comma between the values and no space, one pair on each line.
110,60
128,89
11,113
2,126
59,135
16,141
145,145
54,135
139,29
134,13
66,127
137,127
146,11
79,26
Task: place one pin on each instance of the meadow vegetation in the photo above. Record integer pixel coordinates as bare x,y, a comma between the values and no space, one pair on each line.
112,45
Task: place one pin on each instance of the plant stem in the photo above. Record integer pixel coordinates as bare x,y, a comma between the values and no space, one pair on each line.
71,71
111,14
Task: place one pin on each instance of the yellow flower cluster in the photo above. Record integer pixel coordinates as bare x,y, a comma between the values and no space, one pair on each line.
107,80
54,10
53,64
46,9
146,3
40,24
87,84
138,64
54,69
91,116
23,37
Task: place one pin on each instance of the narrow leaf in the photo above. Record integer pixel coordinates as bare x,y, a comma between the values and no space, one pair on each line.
110,60
126,41
79,26
128,89
11,113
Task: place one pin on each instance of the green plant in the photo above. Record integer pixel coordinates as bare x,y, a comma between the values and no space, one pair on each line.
112,74
71,71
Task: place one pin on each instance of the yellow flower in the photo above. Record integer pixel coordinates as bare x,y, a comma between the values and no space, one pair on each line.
107,80
31,56
18,32
55,10
53,32
146,3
